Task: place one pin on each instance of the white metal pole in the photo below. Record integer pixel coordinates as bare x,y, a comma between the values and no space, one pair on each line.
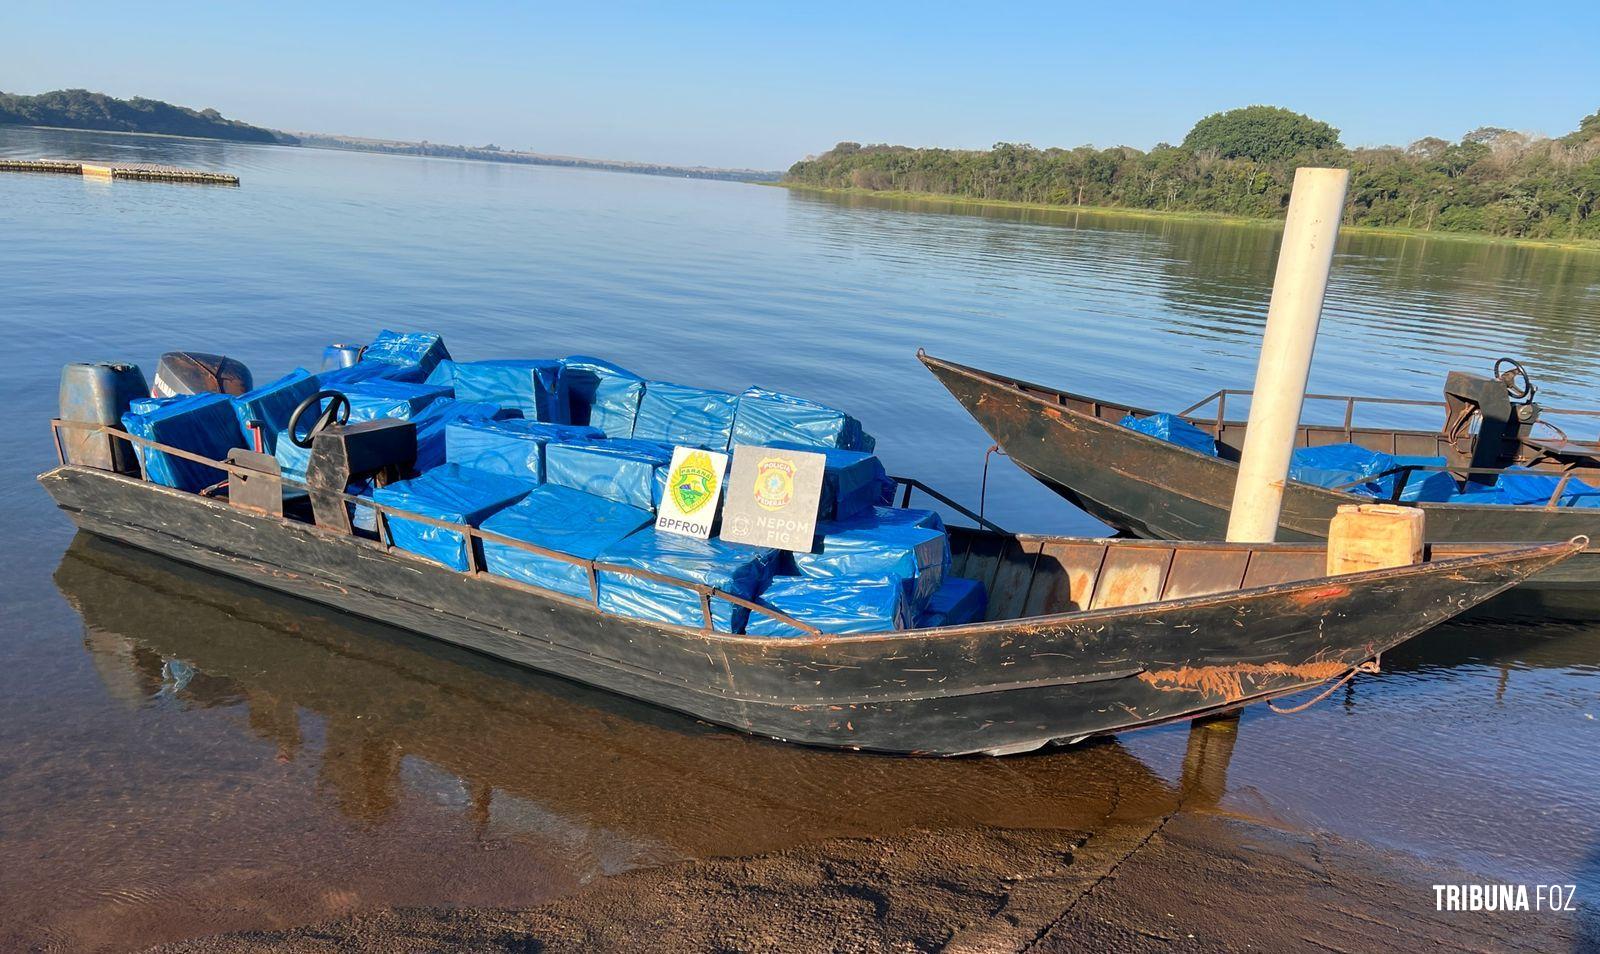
1304,261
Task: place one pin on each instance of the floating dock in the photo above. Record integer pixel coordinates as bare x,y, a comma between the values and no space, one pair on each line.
118,170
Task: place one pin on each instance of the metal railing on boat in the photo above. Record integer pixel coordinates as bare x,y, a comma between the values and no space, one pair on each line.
473,536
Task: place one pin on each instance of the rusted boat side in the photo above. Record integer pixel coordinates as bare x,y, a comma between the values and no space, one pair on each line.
1159,490
993,687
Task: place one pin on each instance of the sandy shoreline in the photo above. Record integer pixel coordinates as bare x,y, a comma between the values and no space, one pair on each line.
1185,881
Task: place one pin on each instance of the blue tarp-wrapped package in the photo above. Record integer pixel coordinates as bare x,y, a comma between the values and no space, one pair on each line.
601,394
767,418
695,417
371,400
530,385
633,472
271,405
513,447
957,601
906,516
1337,465
1522,486
852,482
863,605
443,373
433,420
730,567
422,350
450,493
561,519
340,378
1174,430
865,547
202,424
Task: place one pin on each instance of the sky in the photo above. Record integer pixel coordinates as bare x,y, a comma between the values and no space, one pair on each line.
762,85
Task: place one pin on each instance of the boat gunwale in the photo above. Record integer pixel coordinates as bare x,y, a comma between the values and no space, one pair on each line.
1501,553
1027,390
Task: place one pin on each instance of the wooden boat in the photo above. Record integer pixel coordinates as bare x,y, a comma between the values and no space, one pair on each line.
1083,637
1155,489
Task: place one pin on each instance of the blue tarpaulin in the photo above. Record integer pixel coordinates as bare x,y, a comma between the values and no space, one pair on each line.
958,600
422,350
433,420
771,418
513,447
730,567
601,394
1336,465
633,472
202,424
566,521
1523,486
906,516
695,417
851,481
840,606
1174,430
271,405
918,556
340,378
450,493
371,400
530,385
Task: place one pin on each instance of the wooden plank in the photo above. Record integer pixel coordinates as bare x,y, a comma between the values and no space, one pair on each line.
1130,576
1063,577
1269,567
1204,572
1009,592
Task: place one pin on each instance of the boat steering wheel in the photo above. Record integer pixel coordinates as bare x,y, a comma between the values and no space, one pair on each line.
1516,379
337,412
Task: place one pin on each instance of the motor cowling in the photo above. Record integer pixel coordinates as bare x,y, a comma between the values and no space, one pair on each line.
196,372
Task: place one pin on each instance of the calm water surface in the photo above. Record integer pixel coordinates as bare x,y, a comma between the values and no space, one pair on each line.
180,754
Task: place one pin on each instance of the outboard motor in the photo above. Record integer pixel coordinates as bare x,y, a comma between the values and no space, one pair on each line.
1502,424
99,393
342,452
194,372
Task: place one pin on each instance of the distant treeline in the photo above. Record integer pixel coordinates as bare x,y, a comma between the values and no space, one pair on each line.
493,153
1242,162
82,109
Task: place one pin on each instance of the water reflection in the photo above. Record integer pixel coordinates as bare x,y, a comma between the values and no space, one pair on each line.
400,717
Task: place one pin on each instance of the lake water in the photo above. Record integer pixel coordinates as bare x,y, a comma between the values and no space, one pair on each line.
180,754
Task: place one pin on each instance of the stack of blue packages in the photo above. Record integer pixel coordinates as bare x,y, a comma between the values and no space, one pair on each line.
271,404
864,547
422,350
453,494
434,420
860,605
852,481
513,447
1174,430
1337,465
371,400
733,568
566,521
632,472
202,424
695,417
530,385
340,378
957,601
602,395
766,418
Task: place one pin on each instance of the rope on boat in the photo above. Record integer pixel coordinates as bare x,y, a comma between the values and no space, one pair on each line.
1370,666
983,486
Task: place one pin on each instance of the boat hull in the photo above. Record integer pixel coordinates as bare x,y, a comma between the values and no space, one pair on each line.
995,688
1154,489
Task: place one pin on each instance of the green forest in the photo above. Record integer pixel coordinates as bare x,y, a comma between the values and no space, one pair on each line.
1241,163
82,109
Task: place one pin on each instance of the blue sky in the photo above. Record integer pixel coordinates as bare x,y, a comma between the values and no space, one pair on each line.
762,86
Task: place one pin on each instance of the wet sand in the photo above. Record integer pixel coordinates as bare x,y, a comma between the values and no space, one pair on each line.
1188,881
